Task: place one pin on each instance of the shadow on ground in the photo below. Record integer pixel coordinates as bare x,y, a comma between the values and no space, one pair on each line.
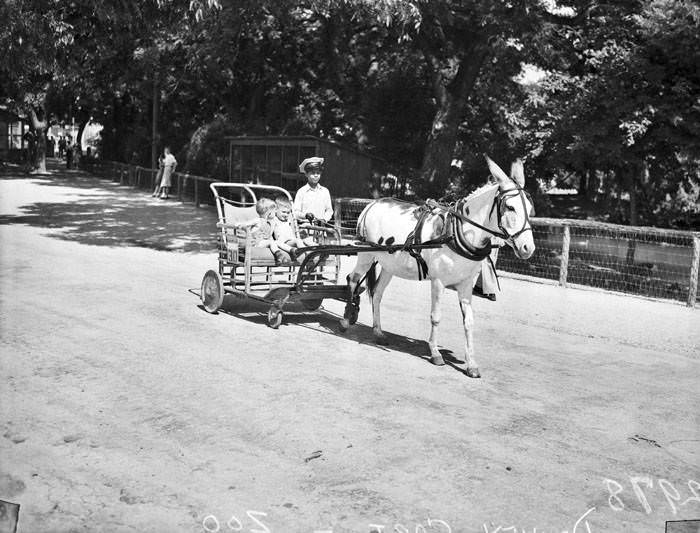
325,321
100,212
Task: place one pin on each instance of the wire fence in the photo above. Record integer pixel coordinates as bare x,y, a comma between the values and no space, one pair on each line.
636,260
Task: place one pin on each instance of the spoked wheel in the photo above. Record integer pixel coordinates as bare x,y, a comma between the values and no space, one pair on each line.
274,317
312,304
212,292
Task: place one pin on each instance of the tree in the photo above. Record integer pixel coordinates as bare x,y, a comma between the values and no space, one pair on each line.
625,110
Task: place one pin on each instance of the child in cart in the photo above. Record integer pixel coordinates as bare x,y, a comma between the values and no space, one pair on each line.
283,231
261,230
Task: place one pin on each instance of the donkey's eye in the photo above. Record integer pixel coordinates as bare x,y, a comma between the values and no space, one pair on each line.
510,208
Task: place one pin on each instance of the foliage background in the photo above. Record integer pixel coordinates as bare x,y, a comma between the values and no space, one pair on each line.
602,97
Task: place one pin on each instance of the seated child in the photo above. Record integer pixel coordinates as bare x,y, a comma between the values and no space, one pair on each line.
283,231
261,228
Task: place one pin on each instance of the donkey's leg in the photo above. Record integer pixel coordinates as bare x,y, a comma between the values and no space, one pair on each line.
437,289
364,262
382,282
464,292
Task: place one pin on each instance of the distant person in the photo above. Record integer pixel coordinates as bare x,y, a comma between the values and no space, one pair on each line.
50,146
169,166
61,146
77,154
159,177
30,139
312,202
69,155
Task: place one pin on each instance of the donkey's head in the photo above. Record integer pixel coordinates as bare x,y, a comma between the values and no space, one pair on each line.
514,208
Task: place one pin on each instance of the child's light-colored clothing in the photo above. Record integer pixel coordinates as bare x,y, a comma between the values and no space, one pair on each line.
260,232
283,231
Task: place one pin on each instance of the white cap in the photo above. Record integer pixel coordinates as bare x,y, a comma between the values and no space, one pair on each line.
311,161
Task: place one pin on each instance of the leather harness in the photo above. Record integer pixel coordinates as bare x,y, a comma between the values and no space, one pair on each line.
453,235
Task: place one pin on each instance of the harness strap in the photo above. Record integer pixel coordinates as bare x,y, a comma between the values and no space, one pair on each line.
459,245
495,274
452,236
413,238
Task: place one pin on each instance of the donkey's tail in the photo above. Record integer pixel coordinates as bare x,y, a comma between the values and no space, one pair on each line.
371,278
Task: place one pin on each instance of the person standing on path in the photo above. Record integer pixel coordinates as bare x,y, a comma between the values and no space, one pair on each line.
159,177
169,166
69,154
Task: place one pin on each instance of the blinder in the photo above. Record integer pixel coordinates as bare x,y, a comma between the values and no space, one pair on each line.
499,203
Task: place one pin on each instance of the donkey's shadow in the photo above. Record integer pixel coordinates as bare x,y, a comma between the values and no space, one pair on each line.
326,321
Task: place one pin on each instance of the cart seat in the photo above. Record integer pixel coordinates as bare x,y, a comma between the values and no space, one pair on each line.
238,215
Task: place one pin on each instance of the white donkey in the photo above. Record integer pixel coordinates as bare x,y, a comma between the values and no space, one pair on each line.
465,231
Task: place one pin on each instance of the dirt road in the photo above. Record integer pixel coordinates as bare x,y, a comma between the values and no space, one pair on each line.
124,407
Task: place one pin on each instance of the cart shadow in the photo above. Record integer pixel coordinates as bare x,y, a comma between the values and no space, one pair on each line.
327,321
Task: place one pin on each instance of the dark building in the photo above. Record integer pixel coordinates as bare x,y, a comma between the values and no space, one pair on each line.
275,161
12,130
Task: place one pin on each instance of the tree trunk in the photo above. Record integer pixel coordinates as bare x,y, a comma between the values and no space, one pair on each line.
39,125
154,121
630,175
632,191
452,94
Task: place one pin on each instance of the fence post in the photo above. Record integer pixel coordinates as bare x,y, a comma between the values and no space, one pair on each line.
564,266
196,192
694,268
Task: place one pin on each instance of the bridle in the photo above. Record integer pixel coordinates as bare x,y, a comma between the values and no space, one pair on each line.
499,204
500,201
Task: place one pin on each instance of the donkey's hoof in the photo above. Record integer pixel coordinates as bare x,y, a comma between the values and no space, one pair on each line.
473,372
382,341
343,325
437,360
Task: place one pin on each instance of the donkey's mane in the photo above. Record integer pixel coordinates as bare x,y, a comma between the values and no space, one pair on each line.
487,187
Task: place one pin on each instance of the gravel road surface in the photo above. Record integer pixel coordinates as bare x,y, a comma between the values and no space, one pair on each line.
124,407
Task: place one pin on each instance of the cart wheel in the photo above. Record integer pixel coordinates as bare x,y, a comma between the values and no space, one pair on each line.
312,304
274,317
212,292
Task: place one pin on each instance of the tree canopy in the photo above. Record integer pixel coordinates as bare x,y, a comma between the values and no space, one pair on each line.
613,110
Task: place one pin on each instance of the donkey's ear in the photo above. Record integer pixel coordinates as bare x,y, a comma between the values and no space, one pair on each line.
517,173
496,171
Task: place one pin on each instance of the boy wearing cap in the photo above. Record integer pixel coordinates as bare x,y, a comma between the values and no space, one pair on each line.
313,201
